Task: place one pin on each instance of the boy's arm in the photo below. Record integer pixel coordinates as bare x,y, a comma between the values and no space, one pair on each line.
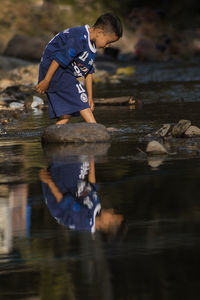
91,175
46,177
88,83
44,84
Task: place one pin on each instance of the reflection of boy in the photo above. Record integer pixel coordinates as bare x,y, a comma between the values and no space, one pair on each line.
71,54
73,200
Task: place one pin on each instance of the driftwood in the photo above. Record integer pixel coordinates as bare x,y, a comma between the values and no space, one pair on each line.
127,100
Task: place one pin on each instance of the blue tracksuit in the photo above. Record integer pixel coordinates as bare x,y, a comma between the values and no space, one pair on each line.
75,53
80,203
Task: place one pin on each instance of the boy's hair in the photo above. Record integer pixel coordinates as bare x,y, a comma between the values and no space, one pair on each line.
110,23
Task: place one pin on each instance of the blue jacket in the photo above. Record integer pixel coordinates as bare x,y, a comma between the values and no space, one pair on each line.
74,52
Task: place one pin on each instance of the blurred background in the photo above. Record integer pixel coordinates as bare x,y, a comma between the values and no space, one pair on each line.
156,29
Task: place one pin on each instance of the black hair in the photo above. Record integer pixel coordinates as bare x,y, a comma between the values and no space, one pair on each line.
110,23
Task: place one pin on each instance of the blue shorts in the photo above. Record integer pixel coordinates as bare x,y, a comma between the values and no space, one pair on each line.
68,101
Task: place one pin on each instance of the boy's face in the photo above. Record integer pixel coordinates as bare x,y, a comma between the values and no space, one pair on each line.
109,220
104,39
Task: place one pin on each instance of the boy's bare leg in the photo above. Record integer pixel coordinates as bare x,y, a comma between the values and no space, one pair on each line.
88,115
63,120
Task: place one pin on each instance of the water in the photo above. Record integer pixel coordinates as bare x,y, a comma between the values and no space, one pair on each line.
155,252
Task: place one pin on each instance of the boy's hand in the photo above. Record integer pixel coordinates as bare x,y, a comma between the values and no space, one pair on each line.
91,103
45,175
42,86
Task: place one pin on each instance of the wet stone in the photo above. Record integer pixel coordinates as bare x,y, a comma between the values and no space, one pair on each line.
16,105
164,130
192,131
155,148
179,129
37,101
76,133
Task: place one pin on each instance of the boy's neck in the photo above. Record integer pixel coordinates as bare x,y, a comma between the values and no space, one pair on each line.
92,33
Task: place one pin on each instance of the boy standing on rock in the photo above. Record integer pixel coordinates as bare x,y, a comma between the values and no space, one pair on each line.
71,54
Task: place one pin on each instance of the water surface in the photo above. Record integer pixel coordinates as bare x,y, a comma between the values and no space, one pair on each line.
155,255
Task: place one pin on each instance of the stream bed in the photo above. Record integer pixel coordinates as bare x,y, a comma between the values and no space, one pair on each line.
153,253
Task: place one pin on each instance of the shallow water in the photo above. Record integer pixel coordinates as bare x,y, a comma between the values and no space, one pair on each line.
156,253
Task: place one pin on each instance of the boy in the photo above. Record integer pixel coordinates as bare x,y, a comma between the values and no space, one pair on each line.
70,191
71,54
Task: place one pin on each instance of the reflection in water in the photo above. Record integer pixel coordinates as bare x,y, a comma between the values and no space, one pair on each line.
71,194
159,256
14,216
70,191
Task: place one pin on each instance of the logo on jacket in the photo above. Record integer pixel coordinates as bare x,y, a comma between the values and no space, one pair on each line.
84,97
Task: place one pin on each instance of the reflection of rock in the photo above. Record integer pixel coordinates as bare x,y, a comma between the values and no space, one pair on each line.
155,161
62,152
179,129
26,47
192,131
76,133
155,147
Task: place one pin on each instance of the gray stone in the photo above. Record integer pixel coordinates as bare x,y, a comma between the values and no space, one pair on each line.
155,147
164,130
192,131
179,129
37,101
16,105
26,47
76,133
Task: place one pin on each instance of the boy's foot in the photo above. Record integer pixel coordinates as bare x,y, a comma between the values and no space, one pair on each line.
63,120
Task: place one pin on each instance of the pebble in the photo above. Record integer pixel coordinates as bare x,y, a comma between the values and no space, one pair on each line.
179,129
192,131
16,105
155,147
127,71
37,101
164,130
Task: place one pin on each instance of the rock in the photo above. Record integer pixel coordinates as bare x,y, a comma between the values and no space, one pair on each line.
179,129
4,83
10,63
16,105
164,130
115,101
76,133
127,71
101,76
27,75
5,98
37,101
192,131
155,147
26,47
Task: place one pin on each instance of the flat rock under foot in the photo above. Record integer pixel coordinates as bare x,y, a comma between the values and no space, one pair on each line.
76,133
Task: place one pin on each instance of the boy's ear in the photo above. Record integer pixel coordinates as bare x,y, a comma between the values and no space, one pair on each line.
99,32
